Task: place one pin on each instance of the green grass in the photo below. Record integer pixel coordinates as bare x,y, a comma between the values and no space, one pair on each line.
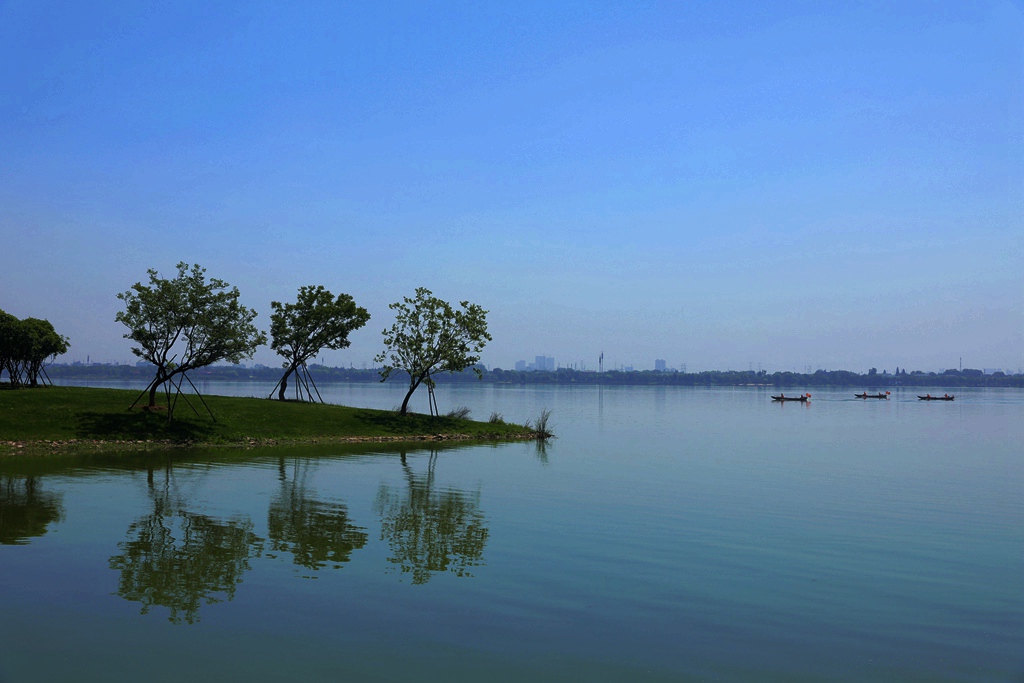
81,414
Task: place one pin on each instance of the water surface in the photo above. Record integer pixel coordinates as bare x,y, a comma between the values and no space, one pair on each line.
669,533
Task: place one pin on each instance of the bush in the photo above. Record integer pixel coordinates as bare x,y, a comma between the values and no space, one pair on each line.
460,413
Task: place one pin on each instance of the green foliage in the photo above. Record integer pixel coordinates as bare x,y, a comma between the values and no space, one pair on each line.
317,320
10,343
430,336
26,346
186,322
42,344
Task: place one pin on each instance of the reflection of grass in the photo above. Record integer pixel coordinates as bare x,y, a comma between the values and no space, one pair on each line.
65,413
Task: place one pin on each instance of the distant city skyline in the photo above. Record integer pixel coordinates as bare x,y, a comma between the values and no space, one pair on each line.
790,185
523,366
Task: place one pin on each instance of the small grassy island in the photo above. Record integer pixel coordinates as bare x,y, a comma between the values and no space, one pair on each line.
63,418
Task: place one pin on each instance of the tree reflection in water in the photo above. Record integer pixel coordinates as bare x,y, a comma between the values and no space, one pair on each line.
431,531
25,510
180,560
314,532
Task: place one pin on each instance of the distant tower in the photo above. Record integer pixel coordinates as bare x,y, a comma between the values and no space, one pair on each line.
600,362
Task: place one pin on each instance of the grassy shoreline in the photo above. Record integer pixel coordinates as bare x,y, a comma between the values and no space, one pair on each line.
58,419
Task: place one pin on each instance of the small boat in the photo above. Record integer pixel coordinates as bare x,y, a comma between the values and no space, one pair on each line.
878,395
783,397
929,397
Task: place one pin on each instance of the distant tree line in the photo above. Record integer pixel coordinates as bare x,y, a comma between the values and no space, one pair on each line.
26,347
821,378
188,324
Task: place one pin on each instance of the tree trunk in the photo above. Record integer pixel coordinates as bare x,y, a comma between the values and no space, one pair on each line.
405,403
158,382
14,373
412,388
284,383
33,375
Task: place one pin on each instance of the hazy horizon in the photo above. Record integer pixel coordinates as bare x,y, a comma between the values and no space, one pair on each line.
562,366
793,185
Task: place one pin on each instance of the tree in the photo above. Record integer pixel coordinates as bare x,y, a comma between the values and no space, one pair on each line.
187,323
41,345
317,320
26,346
10,342
430,336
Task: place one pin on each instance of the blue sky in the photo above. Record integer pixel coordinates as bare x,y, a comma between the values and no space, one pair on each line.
835,185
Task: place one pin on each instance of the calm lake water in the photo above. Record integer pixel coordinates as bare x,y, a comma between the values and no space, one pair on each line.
668,534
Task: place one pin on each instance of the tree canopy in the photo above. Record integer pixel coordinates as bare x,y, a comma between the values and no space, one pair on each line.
42,345
10,341
430,336
187,322
317,320
26,346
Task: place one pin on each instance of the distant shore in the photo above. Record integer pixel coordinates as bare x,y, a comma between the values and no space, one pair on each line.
819,378
58,419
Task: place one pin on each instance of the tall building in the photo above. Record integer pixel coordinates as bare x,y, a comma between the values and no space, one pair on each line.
544,363
520,366
660,365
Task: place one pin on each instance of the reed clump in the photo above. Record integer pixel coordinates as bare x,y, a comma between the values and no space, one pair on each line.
540,426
